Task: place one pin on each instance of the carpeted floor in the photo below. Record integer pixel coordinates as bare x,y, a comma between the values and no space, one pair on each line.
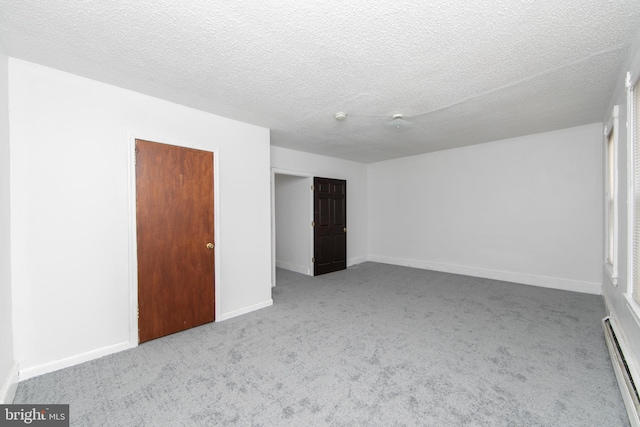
375,345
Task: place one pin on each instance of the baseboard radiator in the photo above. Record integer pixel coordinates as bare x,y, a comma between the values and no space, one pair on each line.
626,372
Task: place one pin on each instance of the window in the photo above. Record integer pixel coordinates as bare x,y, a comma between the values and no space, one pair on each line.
633,128
611,196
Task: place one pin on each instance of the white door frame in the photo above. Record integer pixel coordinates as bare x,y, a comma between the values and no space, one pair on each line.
274,172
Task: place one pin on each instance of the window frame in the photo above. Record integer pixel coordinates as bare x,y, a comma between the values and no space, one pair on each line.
611,132
632,80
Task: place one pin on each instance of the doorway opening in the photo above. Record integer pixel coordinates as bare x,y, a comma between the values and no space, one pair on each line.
291,213
308,223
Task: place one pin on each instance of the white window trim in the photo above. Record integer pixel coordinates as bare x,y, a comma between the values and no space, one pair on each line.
611,130
632,79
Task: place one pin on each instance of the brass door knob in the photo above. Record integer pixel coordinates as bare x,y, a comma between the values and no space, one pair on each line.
209,245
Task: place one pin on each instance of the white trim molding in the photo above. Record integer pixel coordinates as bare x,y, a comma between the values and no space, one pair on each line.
302,269
244,310
10,385
630,83
274,262
56,365
356,260
633,309
611,131
133,243
594,288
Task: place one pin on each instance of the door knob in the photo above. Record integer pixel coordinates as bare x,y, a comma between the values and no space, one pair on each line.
209,245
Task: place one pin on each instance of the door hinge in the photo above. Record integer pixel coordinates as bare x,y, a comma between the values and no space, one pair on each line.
313,223
313,260
313,187
138,312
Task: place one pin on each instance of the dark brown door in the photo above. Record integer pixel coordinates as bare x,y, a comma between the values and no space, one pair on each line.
174,187
330,225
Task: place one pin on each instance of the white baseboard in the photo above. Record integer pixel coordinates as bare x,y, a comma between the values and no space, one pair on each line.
9,385
306,271
45,368
356,260
506,276
295,268
244,310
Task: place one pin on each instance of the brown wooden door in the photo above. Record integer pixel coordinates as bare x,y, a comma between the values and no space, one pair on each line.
174,187
330,225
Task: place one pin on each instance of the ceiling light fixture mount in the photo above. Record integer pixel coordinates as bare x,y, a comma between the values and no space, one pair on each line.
399,121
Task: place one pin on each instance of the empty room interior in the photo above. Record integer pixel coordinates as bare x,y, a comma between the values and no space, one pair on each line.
321,213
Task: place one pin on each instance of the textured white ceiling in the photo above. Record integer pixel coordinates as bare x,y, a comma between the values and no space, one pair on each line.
469,71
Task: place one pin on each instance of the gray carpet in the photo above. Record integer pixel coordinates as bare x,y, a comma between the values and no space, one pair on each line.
376,345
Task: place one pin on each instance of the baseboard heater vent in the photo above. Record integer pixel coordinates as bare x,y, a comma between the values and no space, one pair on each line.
627,381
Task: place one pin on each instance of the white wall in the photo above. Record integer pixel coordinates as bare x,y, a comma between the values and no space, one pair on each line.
618,304
293,216
8,370
328,167
71,207
526,210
